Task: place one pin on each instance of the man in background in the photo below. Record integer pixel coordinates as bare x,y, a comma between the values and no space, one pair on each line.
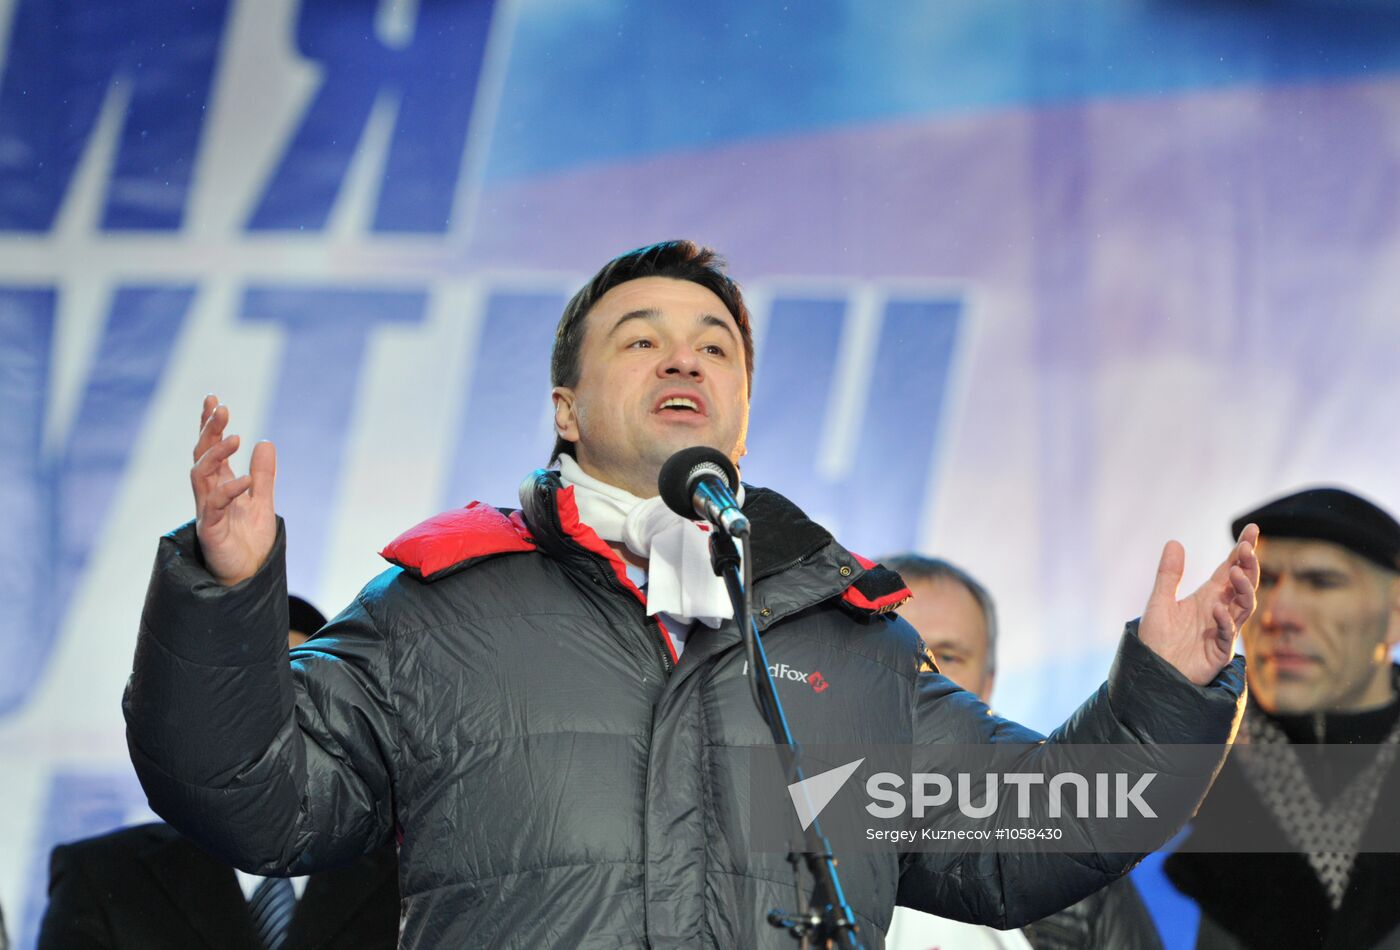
1319,672
150,886
957,620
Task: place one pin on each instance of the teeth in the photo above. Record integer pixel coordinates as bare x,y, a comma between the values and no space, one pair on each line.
680,403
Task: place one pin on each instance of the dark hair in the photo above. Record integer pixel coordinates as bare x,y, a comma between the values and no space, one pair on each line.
920,567
681,260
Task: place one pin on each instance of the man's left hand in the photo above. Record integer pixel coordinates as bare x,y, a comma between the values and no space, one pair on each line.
1197,634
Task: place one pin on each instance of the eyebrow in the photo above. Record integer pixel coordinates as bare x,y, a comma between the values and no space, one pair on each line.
710,320
651,313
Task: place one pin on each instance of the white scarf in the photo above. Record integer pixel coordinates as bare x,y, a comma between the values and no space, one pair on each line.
680,580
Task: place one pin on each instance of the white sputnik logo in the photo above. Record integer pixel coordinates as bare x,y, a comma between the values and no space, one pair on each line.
811,795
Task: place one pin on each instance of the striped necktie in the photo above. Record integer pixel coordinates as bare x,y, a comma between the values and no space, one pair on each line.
271,908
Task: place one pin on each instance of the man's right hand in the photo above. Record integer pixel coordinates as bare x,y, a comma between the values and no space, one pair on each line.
234,517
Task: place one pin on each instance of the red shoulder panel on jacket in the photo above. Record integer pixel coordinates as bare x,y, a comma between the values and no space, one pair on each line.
454,537
879,590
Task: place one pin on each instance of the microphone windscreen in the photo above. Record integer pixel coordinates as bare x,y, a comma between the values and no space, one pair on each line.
677,477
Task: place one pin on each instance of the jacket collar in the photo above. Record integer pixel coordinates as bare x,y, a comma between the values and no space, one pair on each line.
796,562
783,535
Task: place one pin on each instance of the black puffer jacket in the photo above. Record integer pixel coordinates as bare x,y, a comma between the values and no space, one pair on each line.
555,778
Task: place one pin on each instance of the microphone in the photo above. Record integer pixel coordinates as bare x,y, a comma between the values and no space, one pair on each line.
701,481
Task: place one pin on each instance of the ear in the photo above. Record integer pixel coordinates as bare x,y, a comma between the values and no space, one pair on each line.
1392,632
989,684
565,418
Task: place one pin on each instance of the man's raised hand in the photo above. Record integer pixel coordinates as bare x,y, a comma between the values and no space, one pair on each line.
234,517
1197,634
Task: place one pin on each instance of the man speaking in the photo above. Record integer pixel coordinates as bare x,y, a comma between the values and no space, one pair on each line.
547,706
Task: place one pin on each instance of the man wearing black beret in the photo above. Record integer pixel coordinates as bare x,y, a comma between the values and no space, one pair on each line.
1319,672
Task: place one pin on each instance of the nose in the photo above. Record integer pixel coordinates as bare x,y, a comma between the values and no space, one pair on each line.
1278,606
680,360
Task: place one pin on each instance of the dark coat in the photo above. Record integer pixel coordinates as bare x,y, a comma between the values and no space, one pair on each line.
1264,899
150,887
558,778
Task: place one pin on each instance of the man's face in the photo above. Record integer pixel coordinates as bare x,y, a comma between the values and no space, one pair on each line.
951,623
1320,639
661,369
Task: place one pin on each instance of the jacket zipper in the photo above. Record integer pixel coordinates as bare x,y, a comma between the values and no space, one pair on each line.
605,576
785,566
656,636
658,639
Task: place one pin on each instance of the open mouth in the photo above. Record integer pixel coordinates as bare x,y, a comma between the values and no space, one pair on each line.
680,405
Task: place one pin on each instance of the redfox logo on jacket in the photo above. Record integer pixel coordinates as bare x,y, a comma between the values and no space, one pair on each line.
781,671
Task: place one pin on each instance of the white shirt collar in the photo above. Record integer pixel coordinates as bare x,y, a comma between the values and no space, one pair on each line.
248,883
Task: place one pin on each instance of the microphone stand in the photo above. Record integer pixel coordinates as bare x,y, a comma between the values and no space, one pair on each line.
830,923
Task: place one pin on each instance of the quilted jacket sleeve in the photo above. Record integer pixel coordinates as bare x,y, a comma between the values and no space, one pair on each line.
277,766
1145,701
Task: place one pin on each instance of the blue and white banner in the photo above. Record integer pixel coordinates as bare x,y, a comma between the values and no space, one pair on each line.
1038,285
